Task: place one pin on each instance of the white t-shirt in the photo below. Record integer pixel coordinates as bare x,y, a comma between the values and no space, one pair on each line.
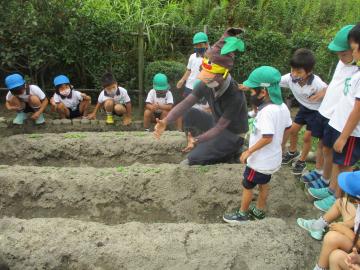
346,105
335,90
271,120
152,98
303,93
194,66
121,96
357,218
33,90
72,101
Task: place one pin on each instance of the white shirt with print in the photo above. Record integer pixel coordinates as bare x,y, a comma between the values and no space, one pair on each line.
121,96
34,90
346,105
194,67
152,98
70,102
303,93
271,120
335,90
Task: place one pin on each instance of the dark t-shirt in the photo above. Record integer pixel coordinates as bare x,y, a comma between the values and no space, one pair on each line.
231,105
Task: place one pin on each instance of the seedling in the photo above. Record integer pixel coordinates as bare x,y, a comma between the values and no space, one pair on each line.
74,136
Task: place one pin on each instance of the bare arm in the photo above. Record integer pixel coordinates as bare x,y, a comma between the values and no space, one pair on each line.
285,138
183,79
181,108
128,109
265,140
43,106
165,107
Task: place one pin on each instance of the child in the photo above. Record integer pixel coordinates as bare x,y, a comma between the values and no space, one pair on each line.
317,181
341,238
345,123
264,154
308,90
24,98
114,99
159,100
68,102
200,42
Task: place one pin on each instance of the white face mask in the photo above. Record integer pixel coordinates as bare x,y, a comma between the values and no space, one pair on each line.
111,92
66,92
212,84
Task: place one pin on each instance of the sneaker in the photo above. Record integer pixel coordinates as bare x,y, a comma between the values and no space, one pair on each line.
256,212
20,118
236,217
40,120
325,204
299,167
319,193
147,129
289,157
310,177
320,183
109,119
306,224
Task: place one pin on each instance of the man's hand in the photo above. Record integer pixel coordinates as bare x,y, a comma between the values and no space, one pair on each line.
126,120
243,87
339,144
244,156
35,115
191,143
159,127
180,84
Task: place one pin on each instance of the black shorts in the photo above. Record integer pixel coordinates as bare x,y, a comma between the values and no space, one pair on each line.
253,178
351,152
76,113
306,117
28,109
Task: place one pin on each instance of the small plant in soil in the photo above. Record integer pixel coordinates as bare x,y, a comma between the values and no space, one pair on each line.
152,170
74,136
35,136
140,134
121,169
203,169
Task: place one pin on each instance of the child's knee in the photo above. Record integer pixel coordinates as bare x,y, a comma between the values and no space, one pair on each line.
147,113
34,101
120,109
164,114
109,104
331,238
60,107
307,137
336,257
327,151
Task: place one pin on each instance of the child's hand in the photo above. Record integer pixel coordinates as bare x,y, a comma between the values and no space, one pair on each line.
243,87
14,108
353,258
91,116
159,127
180,84
35,115
339,145
318,96
244,156
191,144
126,120
52,101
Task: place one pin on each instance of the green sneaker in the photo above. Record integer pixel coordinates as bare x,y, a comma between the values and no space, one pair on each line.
20,118
319,193
307,224
256,212
325,204
40,120
236,217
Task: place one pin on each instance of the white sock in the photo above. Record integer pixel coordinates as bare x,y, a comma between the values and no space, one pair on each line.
319,171
320,224
317,267
327,181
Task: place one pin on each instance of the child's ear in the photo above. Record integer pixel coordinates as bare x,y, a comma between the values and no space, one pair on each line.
263,93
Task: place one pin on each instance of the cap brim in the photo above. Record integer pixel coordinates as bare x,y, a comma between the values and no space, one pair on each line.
335,48
165,88
251,84
343,183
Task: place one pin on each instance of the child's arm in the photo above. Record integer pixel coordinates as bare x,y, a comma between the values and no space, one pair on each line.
150,106
128,109
93,114
10,107
318,96
350,125
183,79
85,96
42,108
265,140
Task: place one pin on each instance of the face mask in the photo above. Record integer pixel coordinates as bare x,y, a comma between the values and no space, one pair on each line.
66,92
296,79
212,84
256,101
160,94
111,92
200,51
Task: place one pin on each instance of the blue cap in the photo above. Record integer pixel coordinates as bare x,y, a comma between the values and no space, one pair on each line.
349,182
61,79
14,81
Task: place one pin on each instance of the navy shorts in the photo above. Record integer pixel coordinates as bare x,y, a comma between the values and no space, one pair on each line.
76,113
306,117
322,130
253,178
351,152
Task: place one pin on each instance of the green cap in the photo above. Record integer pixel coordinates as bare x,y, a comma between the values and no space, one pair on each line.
232,44
340,42
200,37
160,82
269,78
